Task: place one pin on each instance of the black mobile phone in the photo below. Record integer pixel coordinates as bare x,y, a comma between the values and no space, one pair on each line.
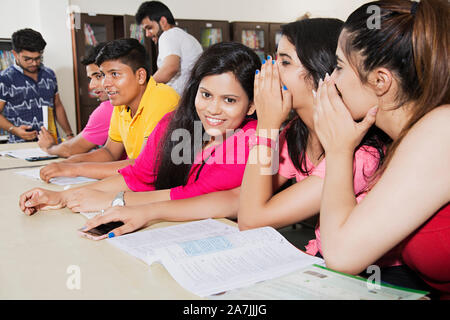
41,158
104,228
29,130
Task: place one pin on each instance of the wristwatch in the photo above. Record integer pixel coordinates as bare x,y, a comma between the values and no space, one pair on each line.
257,140
119,200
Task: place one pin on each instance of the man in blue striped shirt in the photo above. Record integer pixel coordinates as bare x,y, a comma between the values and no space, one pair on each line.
26,87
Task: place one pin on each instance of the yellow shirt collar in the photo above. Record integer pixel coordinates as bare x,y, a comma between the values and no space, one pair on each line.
145,97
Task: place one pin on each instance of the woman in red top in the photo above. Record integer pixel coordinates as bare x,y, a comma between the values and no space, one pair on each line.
427,251
393,55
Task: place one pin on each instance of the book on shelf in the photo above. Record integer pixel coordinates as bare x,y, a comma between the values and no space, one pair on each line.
6,59
209,257
211,36
137,32
253,39
89,35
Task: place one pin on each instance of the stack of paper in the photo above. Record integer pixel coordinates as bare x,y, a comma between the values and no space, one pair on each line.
62,181
25,153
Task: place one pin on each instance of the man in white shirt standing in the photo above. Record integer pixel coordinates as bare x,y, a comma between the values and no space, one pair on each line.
177,49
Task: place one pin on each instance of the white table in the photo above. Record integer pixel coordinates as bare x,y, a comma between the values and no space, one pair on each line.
36,253
8,162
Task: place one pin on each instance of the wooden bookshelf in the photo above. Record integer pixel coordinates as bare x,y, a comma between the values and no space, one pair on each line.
6,56
133,30
6,59
260,36
274,37
255,35
207,32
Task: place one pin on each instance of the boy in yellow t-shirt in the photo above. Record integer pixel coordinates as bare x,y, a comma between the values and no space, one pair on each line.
139,103
128,129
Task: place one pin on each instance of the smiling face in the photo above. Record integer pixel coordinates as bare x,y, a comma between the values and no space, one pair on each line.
358,97
152,29
122,85
95,81
294,75
221,104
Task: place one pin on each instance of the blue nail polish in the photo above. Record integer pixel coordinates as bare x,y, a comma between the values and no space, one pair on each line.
111,235
285,88
264,61
269,57
273,61
257,71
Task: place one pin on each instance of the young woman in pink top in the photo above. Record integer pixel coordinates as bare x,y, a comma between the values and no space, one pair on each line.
306,52
196,155
396,76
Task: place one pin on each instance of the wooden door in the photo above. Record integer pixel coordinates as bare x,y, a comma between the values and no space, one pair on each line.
93,30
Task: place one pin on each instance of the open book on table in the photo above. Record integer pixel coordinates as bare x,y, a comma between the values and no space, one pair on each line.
208,257
317,282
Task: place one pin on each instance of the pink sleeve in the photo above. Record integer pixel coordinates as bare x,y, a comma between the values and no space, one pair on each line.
364,166
286,167
96,130
319,170
223,171
141,175
213,178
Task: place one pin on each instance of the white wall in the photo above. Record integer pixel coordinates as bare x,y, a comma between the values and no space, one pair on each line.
18,14
49,17
231,10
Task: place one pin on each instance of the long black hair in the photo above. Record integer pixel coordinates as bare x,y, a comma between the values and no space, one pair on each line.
316,41
413,42
217,59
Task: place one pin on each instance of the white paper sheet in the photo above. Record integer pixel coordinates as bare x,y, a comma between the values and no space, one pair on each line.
25,153
224,262
89,215
143,244
316,283
62,181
